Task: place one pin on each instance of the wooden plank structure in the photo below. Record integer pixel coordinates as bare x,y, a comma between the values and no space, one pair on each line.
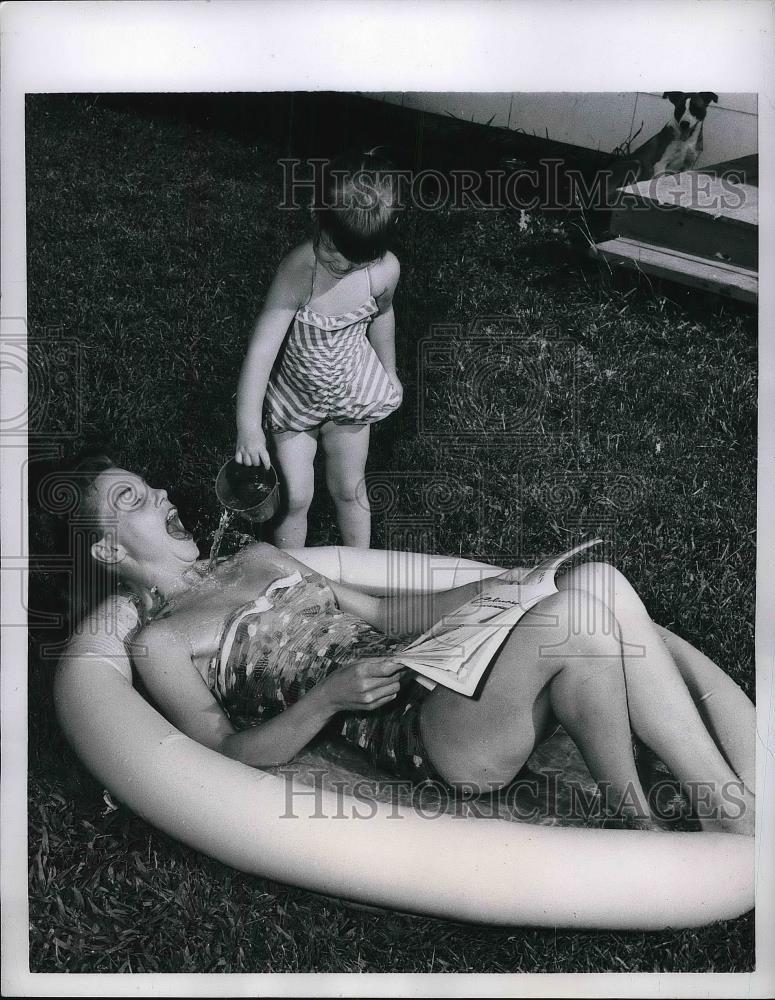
699,228
689,269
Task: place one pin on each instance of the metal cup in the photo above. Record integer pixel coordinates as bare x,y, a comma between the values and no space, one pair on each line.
251,491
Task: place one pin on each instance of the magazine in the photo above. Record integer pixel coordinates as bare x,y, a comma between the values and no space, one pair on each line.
457,650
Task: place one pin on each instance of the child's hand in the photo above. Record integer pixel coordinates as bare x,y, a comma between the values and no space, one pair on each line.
251,448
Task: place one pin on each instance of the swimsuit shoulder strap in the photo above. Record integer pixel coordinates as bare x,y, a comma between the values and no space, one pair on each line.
312,283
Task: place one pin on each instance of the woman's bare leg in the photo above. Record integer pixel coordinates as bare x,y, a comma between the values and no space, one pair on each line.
294,454
482,743
661,708
725,708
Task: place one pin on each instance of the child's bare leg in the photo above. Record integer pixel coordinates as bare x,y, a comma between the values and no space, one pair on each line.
484,742
346,448
662,711
294,454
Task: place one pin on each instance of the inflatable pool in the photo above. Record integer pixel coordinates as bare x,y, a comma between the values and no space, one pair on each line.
379,853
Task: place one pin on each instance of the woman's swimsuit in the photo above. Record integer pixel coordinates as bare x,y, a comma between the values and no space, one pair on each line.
274,650
328,370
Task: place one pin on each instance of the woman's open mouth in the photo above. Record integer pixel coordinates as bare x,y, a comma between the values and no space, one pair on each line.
175,526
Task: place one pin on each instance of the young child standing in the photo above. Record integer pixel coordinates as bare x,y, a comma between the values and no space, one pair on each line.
321,362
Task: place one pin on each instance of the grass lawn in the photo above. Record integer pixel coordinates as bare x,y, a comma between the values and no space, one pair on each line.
546,400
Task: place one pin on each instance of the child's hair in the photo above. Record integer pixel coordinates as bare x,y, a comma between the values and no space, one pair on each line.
357,206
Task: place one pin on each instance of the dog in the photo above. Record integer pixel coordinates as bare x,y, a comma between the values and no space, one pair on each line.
680,141
674,148
678,145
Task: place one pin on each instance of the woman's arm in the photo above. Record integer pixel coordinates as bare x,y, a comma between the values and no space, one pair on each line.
399,614
162,656
413,614
285,295
382,329
350,599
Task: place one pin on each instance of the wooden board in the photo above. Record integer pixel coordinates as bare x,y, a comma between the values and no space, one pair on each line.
747,103
598,121
724,279
701,193
482,109
745,167
593,120
714,237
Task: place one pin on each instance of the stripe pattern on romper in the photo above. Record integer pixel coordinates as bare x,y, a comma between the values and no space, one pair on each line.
329,371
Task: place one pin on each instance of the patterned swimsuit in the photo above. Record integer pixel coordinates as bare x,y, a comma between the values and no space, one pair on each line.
328,370
273,650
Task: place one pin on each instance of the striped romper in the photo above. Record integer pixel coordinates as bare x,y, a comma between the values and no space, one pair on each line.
328,370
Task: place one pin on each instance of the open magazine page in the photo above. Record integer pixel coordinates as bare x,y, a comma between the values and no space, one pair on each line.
457,650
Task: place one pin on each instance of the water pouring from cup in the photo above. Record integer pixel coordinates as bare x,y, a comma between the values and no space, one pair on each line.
249,491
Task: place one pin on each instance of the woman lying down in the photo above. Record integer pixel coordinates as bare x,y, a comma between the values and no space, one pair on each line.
259,655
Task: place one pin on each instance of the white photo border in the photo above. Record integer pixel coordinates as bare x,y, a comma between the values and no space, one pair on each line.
374,45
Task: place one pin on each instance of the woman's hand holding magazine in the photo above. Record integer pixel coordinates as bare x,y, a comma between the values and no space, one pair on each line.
457,650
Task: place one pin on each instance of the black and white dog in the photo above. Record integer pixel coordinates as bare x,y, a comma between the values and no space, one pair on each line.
674,148
678,145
